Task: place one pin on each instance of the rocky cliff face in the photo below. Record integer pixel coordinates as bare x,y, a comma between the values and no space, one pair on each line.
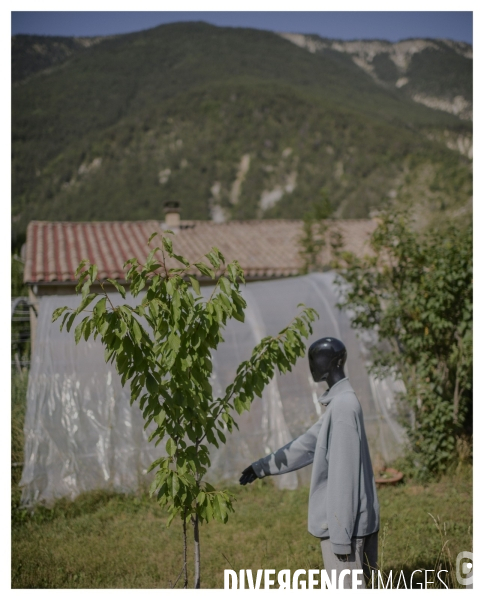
422,69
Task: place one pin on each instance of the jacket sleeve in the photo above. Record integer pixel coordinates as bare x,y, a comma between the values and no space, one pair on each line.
294,455
343,491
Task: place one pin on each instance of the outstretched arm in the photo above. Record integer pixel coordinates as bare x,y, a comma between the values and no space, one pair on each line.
292,456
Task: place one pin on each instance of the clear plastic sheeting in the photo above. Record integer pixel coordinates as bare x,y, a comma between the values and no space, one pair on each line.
81,432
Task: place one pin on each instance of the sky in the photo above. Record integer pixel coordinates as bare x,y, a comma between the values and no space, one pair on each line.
391,26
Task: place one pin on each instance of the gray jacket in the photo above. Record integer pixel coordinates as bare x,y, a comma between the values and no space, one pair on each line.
342,499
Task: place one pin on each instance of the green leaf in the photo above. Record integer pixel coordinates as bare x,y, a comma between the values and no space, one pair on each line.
205,270
170,447
85,288
175,482
104,326
176,306
218,512
209,510
64,319
181,259
168,245
57,313
82,278
149,260
70,321
174,342
235,272
108,352
85,302
118,286
195,285
123,328
100,307
82,264
136,330
239,315
225,285
219,254
79,329
154,308
213,258
170,286
159,419
240,405
151,384
87,330
93,272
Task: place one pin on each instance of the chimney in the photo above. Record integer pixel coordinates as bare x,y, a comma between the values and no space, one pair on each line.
172,215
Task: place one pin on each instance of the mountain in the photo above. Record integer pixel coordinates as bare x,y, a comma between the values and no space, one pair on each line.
235,123
437,73
32,54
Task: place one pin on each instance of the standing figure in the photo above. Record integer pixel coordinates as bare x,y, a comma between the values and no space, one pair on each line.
343,503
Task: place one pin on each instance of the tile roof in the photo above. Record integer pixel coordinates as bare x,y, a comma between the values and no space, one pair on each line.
265,248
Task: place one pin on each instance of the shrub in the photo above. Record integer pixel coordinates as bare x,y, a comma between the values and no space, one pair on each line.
416,291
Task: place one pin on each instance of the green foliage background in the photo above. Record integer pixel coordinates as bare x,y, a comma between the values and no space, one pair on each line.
415,291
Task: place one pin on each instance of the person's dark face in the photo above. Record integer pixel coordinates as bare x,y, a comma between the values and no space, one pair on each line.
319,365
327,357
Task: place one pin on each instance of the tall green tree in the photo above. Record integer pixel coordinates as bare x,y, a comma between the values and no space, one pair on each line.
316,237
163,347
415,290
17,285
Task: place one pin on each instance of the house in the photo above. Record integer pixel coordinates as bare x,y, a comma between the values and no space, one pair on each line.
265,249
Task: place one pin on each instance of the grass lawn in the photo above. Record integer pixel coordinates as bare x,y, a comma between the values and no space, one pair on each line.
104,540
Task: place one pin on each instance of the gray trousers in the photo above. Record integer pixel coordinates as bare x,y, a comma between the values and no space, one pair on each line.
364,555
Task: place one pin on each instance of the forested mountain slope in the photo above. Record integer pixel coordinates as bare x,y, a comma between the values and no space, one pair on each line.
232,123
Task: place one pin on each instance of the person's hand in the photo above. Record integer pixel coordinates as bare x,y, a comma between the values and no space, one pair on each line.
342,557
248,476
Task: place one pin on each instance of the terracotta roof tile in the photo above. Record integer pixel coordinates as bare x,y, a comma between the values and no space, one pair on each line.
265,248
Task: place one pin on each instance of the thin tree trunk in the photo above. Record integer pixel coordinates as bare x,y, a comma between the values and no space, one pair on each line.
196,540
185,571
456,387
456,400
196,533
17,363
